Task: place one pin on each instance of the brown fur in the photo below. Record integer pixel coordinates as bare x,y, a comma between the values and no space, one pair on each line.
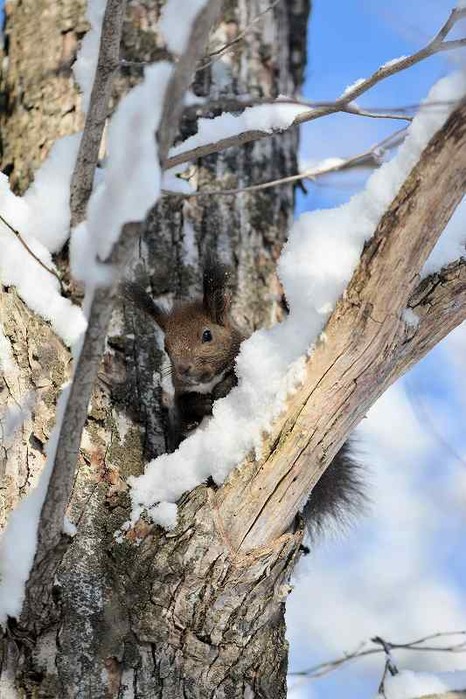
183,343
196,364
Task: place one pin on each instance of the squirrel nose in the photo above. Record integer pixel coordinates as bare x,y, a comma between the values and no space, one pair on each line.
184,368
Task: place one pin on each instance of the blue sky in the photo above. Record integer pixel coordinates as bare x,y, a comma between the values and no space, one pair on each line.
414,440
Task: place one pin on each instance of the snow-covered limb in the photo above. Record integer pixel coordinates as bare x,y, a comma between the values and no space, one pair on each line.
321,255
41,218
365,348
152,106
372,157
85,66
226,136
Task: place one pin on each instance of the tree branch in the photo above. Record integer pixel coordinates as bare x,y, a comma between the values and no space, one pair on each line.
49,547
418,645
107,64
365,347
368,158
28,249
341,103
439,302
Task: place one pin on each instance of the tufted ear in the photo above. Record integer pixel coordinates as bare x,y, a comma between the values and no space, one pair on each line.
135,293
217,296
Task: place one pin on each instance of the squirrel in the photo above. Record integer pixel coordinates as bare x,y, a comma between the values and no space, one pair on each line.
202,342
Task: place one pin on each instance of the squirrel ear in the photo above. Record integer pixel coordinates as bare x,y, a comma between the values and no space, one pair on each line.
217,296
141,299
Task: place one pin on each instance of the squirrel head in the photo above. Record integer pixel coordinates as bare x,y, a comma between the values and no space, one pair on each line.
200,337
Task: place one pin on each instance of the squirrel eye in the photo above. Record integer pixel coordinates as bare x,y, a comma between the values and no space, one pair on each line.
206,336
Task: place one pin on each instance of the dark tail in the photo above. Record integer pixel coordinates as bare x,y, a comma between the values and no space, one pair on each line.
339,495
140,298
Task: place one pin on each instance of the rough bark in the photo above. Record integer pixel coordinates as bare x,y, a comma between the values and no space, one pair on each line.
40,97
97,641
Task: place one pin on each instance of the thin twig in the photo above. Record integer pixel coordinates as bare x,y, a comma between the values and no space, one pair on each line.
218,53
358,111
26,246
366,158
324,668
340,104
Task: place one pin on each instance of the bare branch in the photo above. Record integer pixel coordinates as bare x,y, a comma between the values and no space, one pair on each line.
418,645
218,53
340,104
26,247
358,111
368,158
88,154
50,546
366,343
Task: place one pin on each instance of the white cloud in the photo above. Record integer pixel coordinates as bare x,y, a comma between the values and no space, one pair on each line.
387,577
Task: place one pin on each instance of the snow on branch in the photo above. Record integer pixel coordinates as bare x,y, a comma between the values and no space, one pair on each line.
255,123
322,252
367,343
34,226
41,218
94,70
369,158
103,243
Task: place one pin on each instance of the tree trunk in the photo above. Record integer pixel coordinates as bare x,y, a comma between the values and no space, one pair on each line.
181,614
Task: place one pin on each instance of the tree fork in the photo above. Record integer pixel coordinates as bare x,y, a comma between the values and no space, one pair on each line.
363,352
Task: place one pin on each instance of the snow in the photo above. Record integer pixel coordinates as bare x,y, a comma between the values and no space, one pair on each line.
69,527
264,117
352,87
410,318
14,417
132,177
172,183
393,62
318,261
18,543
412,685
451,244
6,354
86,62
38,288
42,218
48,196
176,32
323,165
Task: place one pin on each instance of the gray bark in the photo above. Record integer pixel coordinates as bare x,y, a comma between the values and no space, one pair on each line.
180,614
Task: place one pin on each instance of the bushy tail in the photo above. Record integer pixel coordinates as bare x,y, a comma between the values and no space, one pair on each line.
135,293
339,495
